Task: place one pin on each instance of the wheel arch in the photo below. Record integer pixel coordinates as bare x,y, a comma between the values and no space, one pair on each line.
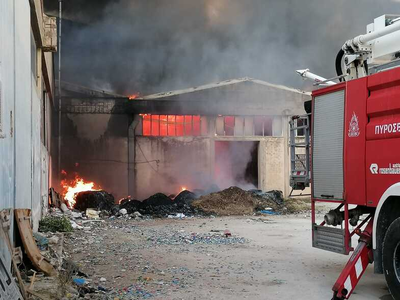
387,211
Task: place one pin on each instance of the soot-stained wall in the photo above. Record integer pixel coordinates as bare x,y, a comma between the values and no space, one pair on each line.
94,146
167,164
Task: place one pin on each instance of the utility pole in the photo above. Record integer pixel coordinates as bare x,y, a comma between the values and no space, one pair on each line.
59,86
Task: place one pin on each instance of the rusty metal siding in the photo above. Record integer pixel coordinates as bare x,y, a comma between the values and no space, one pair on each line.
6,110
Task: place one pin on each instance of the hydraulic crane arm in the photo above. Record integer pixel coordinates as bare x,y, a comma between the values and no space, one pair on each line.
380,45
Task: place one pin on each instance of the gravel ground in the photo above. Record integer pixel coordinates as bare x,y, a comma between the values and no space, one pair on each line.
264,258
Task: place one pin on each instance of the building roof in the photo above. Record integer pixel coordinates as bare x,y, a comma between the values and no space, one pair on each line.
220,84
82,91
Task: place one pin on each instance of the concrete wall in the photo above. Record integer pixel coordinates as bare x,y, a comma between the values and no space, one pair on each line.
273,161
273,172
166,164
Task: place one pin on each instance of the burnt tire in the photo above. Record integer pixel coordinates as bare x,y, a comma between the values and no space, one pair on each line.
391,258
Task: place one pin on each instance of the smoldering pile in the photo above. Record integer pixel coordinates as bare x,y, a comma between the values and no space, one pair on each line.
231,201
99,200
160,205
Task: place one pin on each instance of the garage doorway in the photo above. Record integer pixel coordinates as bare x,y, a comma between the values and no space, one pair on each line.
236,164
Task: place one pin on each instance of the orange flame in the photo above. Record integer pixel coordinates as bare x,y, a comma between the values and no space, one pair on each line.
183,188
72,188
133,96
122,199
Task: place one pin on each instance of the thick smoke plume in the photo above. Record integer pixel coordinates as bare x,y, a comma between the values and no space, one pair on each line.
130,46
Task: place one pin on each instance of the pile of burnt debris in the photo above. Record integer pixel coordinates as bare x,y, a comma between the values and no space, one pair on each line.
231,201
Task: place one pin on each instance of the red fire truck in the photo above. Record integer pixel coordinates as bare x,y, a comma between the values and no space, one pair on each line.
355,155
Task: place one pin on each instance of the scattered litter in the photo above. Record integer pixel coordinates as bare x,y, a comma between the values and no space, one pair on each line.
41,241
268,212
76,215
54,240
64,208
227,233
137,214
92,214
177,216
74,225
79,281
102,289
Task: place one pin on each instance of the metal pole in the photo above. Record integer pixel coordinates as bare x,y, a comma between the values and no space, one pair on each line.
59,87
314,77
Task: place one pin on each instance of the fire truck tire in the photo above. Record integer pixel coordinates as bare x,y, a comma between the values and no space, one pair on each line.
391,258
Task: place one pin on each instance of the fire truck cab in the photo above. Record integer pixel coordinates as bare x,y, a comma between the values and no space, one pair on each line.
355,156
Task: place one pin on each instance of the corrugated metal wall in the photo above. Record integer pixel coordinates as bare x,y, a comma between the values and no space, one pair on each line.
23,158
23,105
6,109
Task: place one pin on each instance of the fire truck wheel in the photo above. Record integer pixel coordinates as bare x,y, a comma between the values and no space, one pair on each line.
391,258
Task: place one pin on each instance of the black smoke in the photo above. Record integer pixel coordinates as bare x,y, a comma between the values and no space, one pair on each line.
148,46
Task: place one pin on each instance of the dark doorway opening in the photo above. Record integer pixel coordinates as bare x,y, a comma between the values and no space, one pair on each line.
236,164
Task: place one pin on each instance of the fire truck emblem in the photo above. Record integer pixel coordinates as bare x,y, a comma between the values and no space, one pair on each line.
354,129
374,168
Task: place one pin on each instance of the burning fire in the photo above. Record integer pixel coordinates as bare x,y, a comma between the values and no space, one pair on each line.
73,187
183,188
126,198
133,96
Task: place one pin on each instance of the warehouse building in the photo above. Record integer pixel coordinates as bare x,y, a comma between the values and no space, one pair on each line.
208,137
231,133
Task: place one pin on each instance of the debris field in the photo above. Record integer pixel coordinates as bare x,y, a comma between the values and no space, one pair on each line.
255,257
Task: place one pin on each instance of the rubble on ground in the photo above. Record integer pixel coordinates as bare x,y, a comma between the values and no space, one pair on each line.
124,244
231,201
98,230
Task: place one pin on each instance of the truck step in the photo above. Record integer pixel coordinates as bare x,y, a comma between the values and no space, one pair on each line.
329,238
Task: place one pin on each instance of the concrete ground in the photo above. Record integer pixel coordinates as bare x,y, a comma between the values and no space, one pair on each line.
276,262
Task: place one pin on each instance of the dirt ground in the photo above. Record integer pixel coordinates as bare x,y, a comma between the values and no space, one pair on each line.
266,258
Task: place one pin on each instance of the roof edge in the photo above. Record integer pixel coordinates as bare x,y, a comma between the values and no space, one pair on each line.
219,84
